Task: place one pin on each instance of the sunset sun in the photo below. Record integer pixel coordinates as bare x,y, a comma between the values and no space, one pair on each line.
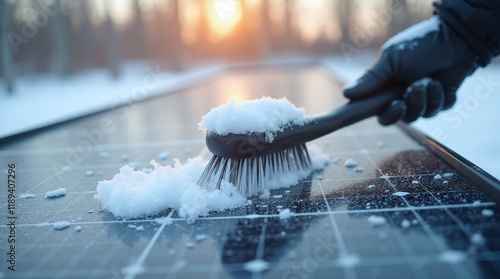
223,15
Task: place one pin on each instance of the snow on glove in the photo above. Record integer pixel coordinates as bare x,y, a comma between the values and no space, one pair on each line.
428,61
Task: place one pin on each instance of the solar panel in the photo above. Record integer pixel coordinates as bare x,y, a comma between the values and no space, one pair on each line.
394,218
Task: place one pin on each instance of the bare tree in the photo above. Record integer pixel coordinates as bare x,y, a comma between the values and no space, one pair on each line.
265,23
86,35
289,38
178,55
137,31
346,19
113,54
7,55
61,42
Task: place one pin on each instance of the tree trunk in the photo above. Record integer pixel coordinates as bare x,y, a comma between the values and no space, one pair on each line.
7,55
113,46
346,15
264,30
61,43
86,29
178,55
289,39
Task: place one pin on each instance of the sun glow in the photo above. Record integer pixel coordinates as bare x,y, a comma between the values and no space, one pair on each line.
223,16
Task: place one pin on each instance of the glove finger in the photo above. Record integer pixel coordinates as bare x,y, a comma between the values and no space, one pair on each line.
435,98
451,81
416,101
393,113
372,81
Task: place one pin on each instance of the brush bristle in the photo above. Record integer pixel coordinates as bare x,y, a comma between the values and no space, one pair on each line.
250,175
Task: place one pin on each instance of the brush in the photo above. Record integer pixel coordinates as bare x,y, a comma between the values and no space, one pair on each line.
249,161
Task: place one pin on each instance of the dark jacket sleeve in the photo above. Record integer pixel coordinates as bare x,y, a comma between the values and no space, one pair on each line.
477,22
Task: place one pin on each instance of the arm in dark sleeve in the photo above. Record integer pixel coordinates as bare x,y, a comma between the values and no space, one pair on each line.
477,22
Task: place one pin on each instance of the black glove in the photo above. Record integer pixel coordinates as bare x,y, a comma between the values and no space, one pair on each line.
428,61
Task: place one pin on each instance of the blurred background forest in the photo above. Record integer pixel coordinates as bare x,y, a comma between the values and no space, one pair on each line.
65,37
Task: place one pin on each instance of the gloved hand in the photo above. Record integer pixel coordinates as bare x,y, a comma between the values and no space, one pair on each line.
428,61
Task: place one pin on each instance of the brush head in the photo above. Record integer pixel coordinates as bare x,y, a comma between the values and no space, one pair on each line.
252,145
250,175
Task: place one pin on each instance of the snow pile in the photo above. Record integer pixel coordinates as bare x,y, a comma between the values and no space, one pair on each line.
350,163
376,220
405,223
400,194
453,256
285,213
59,226
256,266
265,115
134,193
55,193
487,212
477,239
348,260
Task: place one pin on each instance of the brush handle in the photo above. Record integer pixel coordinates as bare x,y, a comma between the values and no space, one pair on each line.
240,146
345,115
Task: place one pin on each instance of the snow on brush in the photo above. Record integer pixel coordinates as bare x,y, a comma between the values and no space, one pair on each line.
133,193
264,115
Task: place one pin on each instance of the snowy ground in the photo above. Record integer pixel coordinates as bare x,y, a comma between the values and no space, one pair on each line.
41,100
468,128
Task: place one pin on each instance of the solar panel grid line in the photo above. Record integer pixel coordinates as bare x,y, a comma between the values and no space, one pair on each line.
47,257
371,210
348,271
459,270
121,163
101,147
75,259
118,243
383,261
179,256
104,260
408,253
138,267
259,254
410,257
215,268
468,232
465,229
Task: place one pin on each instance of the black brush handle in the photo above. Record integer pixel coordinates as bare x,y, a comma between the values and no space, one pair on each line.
343,116
240,146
